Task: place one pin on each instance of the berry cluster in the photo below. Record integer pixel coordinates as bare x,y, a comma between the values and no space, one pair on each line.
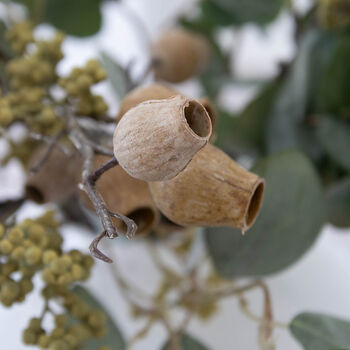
78,86
30,75
34,246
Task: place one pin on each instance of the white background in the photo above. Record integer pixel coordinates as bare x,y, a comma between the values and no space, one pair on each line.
318,282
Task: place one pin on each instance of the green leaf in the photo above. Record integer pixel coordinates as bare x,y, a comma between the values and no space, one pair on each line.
335,83
260,12
320,331
113,338
188,343
334,136
338,203
116,75
290,105
246,132
75,17
289,222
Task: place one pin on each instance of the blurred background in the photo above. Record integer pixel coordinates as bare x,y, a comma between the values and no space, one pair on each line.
319,281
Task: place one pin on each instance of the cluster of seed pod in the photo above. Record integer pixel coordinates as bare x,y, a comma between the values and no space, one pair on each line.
162,138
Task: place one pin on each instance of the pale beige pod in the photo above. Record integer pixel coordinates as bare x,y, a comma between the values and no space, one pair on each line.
125,195
57,178
155,140
157,91
212,191
179,54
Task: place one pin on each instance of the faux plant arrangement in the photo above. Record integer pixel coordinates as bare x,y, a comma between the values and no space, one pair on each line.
166,165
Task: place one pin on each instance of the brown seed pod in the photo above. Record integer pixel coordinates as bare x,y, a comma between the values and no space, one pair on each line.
155,140
212,191
125,195
157,91
56,180
143,93
179,54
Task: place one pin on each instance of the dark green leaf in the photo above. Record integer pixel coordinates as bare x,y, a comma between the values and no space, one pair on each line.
246,132
74,17
260,12
116,75
334,135
290,220
320,332
113,338
290,105
338,203
335,83
188,343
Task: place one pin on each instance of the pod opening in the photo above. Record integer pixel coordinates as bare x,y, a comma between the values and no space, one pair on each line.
255,204
145,219
33,193
197,119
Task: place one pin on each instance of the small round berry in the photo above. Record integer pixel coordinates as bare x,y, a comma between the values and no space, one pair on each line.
6,247
33,255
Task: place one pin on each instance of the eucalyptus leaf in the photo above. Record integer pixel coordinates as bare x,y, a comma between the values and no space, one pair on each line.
246,132
113,338
338,203
116,75
289,222
257,11
334,135
290,105
187,343
316,331
335,82
75,17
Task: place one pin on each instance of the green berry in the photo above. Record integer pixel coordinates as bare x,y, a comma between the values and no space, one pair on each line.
18,253
33,255
58,345
29,337
43,341
49,255
6,247
61,320
35,324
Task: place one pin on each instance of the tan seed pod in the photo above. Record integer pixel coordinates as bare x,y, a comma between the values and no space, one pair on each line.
179,54
143,93
157,91
212,191
57,179
125,195
155,140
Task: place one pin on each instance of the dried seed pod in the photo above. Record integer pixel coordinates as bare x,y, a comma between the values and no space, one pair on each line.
143,93
157,91
57,179
125,195
212,191
178,55
155,140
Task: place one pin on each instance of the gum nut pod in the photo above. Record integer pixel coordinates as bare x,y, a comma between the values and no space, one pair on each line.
125,195
179,55
157,91
154,91
212,191
155,140
56,179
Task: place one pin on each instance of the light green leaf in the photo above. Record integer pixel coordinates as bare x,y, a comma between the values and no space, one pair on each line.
289,222
188,343
113,338
334,136
116,75
338,203
320,331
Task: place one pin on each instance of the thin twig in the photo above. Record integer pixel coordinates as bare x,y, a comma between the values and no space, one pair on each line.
50,147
